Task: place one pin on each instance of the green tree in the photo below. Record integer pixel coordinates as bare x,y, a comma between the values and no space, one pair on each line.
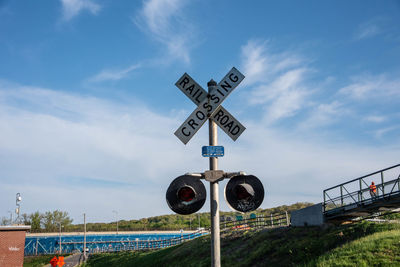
4,221
51,220
35,221
48,222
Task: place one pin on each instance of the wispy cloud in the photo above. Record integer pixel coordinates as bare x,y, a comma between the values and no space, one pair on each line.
72,8
113,74
371,86
49,140
291,162
260,64
66,130
381,132
49,136
278,80
375,118
367,30
164,21
323,115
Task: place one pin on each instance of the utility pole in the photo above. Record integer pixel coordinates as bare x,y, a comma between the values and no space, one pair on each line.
116,219
84,236
18,209
11,220
60,237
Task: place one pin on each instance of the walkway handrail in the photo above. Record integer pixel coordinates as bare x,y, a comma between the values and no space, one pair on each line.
344,197
363,177
270,220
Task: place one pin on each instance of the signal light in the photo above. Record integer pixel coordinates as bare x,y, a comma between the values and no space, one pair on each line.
244,193
186,195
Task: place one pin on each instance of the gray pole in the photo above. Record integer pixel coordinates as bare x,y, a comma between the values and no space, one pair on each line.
214,201
116,218
287,219
84,236
11,221
60,238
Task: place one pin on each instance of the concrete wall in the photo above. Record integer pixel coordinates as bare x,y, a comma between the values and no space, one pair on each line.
12,244
309,216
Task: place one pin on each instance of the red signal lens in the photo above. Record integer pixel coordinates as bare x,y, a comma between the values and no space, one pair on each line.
243,192
186,194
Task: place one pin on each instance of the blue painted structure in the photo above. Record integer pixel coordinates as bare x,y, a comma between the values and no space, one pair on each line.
37,245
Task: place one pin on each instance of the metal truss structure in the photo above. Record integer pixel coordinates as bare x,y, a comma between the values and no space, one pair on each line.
353,199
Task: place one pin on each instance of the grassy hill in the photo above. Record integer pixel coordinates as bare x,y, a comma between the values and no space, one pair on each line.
362,244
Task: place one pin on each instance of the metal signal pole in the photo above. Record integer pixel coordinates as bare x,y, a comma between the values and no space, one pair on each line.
214,201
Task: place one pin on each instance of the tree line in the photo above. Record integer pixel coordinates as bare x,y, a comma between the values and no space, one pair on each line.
50,221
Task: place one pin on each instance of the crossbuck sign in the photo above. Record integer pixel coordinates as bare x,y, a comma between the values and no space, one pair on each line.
209,106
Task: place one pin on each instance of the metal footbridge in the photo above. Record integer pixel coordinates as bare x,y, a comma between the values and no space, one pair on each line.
352,199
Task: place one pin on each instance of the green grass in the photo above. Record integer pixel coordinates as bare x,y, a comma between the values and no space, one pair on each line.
379,249
37,261
363,244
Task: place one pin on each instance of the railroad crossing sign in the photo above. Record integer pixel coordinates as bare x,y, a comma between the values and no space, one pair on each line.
209,106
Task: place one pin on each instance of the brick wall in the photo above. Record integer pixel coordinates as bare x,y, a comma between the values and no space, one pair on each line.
12,244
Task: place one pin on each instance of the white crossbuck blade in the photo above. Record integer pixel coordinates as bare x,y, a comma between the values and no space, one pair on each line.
209,107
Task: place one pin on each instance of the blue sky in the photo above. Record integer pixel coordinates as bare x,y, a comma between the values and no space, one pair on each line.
88,105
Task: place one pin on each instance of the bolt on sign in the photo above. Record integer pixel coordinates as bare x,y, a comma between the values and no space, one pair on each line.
209,106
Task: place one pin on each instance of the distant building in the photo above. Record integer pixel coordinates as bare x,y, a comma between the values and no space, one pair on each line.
12,244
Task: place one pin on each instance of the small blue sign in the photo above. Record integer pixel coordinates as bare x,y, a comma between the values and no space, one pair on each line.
212,151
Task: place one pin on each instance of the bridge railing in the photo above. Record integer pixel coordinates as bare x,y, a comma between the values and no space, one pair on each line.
270,220
355,192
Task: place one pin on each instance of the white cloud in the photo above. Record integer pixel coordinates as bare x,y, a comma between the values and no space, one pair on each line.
72,8
259,64
294,167
254,61
93,155
279,86
164,21
113,75
372,86
51,139
367,30
375,118
381,132
324,115
278,80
